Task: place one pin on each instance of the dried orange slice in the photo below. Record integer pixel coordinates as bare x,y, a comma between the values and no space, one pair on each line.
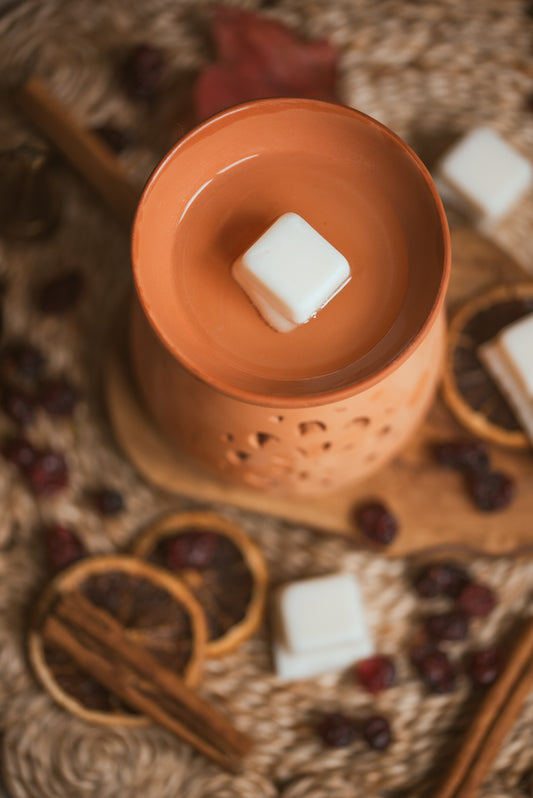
468,389
156,610
220,564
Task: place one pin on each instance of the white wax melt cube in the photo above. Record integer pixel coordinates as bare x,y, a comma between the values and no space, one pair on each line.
509,359
320,626
291,272
290,666
516,341
486,174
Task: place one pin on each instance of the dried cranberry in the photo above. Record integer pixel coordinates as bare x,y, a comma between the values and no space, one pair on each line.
63,546
377,732
377,523
376,673
116,138
491,491
440,578
48,473
477,600
18,405
107,501
451,625
435,668
18,451
469,455
21,364
60,294
485,665
195,549
58,396
336,730
143,72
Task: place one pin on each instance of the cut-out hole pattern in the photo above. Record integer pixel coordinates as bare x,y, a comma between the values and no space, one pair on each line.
359,421
237,457
385,430
326,445
276,419
227,437
260,439
308,427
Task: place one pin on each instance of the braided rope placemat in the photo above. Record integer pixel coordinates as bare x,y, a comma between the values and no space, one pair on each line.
428,70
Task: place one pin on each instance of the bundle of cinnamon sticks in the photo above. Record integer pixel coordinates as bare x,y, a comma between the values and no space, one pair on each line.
492,722
100,645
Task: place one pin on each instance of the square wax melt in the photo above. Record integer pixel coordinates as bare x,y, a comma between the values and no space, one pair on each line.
291,272
291,667
509,359
484,174
320,626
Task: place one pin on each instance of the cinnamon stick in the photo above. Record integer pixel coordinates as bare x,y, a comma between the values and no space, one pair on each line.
82,148
101,647
494,719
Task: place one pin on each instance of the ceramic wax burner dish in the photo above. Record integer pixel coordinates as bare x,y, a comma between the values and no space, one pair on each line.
331,401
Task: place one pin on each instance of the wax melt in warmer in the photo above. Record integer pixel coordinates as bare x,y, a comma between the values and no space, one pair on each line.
291,272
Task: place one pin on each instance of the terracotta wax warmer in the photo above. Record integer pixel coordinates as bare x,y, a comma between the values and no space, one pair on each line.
328,403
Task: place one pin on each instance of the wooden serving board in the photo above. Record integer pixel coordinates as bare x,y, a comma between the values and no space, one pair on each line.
433,508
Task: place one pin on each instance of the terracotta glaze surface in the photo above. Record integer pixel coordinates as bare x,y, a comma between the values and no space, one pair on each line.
264,407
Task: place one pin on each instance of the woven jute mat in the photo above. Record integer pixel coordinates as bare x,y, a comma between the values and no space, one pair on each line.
430,71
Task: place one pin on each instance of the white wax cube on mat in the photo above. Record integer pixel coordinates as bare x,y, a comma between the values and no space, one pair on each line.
291,272
321,612
290,666
509,359
487,174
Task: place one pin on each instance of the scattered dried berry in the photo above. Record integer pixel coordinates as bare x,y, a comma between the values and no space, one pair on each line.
376,673
63,546
490,491
18,451
116,138
59,295
377,732
194,549
465,455
48,473
476,600
57,396
440,578
336,730
18,405
21,364
485,665
435,668
451,625
377,523
107,501
143,72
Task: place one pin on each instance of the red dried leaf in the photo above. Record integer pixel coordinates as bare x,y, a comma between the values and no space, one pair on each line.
260,58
